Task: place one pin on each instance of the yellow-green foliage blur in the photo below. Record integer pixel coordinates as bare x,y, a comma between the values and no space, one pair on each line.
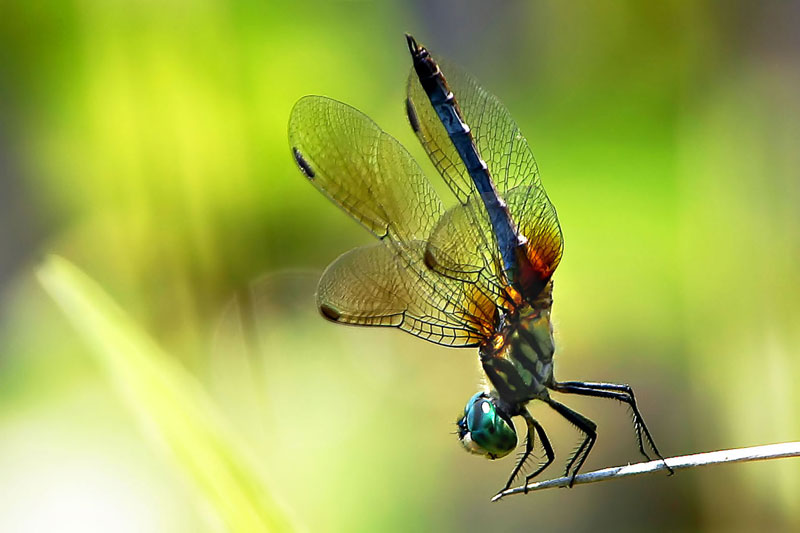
162,364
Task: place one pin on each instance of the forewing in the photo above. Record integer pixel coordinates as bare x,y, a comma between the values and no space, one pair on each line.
373,178
362,169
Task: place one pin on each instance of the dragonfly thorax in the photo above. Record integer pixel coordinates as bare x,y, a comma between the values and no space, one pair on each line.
518,358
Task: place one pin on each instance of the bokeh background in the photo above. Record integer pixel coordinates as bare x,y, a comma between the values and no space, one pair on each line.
145,142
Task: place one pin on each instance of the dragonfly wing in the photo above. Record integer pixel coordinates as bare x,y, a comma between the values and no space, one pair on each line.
362,169
539,223
497,137
371,286
375,180
456,245
457,249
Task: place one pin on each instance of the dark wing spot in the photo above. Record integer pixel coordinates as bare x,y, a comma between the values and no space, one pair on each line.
428,259
303,164
412,115
329,312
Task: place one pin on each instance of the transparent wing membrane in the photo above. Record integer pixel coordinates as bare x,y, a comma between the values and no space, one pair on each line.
373,286
373,178
497,137
362,169
457,248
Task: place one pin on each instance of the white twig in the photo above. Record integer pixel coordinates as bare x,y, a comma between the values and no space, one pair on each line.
738,455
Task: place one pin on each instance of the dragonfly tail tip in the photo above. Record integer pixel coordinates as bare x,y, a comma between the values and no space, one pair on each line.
412,43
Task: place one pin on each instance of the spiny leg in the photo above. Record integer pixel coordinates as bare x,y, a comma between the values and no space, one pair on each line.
574,386
586,426
595,389
610,390
548,448
529,441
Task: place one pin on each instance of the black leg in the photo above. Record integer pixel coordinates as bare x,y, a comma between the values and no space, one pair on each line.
548,449
622,393
588,428
599,390
529,441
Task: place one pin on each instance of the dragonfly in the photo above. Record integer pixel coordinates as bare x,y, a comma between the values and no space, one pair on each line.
477,274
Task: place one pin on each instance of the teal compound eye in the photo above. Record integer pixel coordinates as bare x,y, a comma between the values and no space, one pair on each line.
486,429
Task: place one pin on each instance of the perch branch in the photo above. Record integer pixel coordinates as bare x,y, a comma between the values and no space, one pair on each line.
738,455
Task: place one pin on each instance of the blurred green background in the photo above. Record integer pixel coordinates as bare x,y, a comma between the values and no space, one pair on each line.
146,143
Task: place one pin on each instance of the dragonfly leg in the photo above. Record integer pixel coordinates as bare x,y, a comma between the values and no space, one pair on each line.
529,441
586,426
622,393
548,448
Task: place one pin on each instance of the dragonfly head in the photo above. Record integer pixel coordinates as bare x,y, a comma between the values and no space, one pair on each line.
486,429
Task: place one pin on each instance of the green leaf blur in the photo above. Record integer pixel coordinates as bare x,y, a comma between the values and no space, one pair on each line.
167,402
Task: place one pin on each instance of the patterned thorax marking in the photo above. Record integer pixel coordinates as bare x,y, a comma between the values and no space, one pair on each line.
518,359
